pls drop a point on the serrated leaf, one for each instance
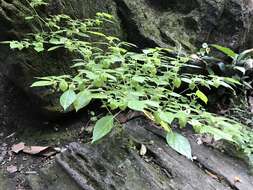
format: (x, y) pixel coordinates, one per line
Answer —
(103, 127)
(82, 99)
(202, 96)
(179, 143)
(67, 98)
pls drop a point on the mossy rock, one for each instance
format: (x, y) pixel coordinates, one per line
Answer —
(22, 67)
(189, 23)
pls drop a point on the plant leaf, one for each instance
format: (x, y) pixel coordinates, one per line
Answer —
(177, 82)
(179, 143)
(168, 117)
(82, 99)
(103, 127)
(67, 98)
(139, 79)
(202, 96)
(217, 133)
(42, 83)
(136, 105)
(63, 85)
(182, 118)
(229, 52)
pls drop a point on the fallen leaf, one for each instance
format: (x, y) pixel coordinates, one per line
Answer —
(143, 150)
(18, 147)
(34, 149)
(12, 169)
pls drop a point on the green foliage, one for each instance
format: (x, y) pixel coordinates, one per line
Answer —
(37, 3)
(180, 144)
(151, 81)
(68, 98)
(225, 50)
(102, 127)
(241, 62)
(202, 96)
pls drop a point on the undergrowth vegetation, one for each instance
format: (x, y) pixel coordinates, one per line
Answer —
(151, 81)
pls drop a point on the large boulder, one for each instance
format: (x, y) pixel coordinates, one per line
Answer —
(187, 22)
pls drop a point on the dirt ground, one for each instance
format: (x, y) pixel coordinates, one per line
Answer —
(19, 122)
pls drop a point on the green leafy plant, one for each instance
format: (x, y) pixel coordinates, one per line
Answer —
(150, 82)
(241, 62)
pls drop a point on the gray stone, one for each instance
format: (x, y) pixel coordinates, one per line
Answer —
(169, 23)
(115, 163)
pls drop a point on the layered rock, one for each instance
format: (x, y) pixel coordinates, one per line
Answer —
(115, 163)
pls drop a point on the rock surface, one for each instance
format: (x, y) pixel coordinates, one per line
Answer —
(22, 67)
(115, 163)
(187, 22)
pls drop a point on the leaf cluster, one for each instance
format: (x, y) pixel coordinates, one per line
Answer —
(150, 81)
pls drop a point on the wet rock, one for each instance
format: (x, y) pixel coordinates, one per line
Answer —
(115, 163)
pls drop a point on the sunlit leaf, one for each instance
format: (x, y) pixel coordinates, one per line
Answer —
(42, 83)
(137, 105)
(82, 99)
(103, 127)
(225, 50)
(179, 143)
(67, 99)
(202, 96)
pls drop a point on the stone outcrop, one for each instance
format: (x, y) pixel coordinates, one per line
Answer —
(187, 22)
(22, 67)
(115, 163)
